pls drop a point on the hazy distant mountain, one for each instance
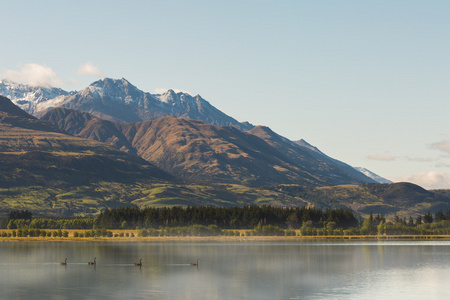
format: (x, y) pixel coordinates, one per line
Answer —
(372, 175)
(33, 152)
(120, 101)
(199, 151)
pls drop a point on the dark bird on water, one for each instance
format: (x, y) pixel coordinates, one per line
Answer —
(139, 264)
(93, 262)
(194, 264)
(64, 263)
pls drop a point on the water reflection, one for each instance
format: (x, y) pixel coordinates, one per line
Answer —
(237, 270)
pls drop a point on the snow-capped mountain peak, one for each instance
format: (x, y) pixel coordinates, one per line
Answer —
(119, 100)
(28, 97)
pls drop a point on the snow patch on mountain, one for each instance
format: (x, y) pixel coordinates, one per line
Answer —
(118, 100)
(28, 97)
(372, 175)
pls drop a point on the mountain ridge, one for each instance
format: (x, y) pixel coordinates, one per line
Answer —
(302, 154)
(120, 101)
(199, 151)
(190, 148)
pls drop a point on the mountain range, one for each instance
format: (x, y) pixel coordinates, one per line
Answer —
(119, 101)
(49, 172)
(207, 153)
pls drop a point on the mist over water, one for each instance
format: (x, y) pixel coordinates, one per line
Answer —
(226, 270)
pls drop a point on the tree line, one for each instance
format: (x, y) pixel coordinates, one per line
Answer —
(24, 219)
(206, 220)
(245, 217)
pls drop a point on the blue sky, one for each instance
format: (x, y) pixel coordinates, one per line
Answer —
(367, 82)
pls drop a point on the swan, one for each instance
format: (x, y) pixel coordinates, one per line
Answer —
(139, 264)
(64, 263)
(93, 262)
(194, 264)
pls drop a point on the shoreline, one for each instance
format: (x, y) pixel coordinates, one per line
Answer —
(227, 238)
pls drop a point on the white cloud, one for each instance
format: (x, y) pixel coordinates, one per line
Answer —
(34, 75)
(383, 157)
(442, 146)
(89, 69)
(427, 180)
(162, 91)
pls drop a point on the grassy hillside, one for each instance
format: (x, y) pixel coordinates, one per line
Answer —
(89, 200)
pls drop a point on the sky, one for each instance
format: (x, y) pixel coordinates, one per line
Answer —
(367, 82)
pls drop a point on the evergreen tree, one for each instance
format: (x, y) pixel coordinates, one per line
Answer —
(380, 228)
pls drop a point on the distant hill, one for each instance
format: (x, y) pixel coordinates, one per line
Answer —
(403, 199)
(202, 152)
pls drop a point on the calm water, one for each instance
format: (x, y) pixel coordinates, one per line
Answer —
(227, 270)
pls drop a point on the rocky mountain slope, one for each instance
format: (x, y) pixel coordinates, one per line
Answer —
(203, 152)
(32, 151)
(312, 158)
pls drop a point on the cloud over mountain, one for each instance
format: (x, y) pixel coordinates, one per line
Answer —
(89, 69)
(34, 75)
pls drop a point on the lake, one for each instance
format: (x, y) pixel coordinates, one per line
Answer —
(244, 269)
